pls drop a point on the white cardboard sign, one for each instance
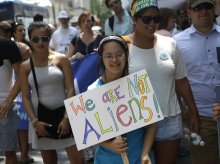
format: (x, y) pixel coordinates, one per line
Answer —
(113, 109)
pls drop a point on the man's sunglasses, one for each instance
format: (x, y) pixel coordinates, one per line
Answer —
(36, 39)
(148, 19)
(113, 3)
(205, 6)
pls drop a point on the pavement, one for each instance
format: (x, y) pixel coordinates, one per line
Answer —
(185, 158)
(62, 157)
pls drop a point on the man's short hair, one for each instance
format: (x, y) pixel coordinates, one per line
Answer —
(5, 26)
(38, 18)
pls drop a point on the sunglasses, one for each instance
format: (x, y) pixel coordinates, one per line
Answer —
(36, 39)
(148, 19)
(205, 6)
(113, 3)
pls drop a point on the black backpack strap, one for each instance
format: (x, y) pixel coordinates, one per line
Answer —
(76, 44)
(111, 22)
(129, 12)
(34, 75)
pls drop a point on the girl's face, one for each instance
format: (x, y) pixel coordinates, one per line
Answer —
(19, 33)
(148, 22)
(40, 40)
(114, 59)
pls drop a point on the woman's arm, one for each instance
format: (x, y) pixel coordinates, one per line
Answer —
(70, 50)
(72, 56)
(68, 75)
(13, 93)
(24, 72)
(184, 90)
(65, 66)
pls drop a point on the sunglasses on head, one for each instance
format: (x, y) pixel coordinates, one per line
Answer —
(148, 19)
(36, 39)
(113, 3)
(205, 6)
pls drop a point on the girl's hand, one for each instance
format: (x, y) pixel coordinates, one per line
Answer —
(119, 146)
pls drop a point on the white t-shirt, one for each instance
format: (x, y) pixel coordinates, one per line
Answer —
(5, 80)
(163, 64)
(61, 39)
(9, 55)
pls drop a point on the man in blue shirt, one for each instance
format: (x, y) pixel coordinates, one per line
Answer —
(198, 45)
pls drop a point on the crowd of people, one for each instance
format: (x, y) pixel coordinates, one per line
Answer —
(178, 48)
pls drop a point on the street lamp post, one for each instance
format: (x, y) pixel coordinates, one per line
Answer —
(53, 13)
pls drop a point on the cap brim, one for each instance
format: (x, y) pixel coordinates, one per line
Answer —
(200, 2)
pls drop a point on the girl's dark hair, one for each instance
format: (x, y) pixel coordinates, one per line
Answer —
(37, 25)
(122, 43)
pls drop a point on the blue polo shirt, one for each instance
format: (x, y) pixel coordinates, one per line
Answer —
(200, 56)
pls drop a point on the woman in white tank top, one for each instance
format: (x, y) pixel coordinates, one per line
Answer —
(55, 83)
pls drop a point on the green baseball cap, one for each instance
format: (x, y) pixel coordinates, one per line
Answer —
(139, 5)
(194, 3)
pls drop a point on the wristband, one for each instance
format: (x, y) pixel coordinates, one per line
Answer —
(34, 122)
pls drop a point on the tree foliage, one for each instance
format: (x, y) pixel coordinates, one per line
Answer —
(99, 9)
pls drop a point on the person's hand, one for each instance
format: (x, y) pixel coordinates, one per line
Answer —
(76, 56)
(63, 127)
(4, 109)
(145, 159)
(40, 128)
(216, 111)
(119, 146)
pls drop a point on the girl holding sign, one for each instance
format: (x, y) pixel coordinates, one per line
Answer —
(113, 51)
